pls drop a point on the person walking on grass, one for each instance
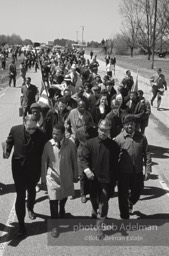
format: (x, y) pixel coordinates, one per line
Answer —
(159, 85)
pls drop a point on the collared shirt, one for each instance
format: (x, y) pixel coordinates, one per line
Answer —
(133, 152)
(57, 144)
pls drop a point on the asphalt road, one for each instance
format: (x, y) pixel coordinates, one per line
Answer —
(152, 210)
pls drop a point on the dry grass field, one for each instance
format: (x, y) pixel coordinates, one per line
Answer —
(4, 74)
(137, 62)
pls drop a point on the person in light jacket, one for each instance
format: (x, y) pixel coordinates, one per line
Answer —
(59, 170)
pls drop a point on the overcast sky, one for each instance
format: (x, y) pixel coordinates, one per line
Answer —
(46, 20)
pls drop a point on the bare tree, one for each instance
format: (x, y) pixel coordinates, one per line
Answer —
(139, 20)
(130, 12)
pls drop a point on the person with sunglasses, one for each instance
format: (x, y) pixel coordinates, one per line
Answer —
(28, 141)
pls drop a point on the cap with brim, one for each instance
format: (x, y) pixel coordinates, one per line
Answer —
(35, 105)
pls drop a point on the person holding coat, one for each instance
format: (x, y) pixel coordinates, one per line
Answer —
(59, 171)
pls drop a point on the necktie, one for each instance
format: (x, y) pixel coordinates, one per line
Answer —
(59, 145)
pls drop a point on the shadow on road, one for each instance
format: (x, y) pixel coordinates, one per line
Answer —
(6, 188)
(152, 193)
(164, 109)
(154, 177)
(158, 152)
(40, 199)
(157, 216)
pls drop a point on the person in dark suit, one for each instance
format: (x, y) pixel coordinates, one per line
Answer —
(56, 115)
(28, 141)
(30, 95)
(99, 160)
(12, 73)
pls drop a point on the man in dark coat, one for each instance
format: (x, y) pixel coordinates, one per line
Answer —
(55, 116)
(100, 162)
(28, 141)
(12, 73)
(134, 154)
(30, 96)
(136, 107)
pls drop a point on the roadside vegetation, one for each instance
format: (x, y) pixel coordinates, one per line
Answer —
(136, 62)
(4, 74)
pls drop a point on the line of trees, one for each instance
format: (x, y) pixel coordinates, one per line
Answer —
(138, 26)
(14, 39)
(138, 23)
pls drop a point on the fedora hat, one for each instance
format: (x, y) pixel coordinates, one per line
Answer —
(104, 124)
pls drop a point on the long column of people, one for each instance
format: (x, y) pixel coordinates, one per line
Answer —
(78, 128)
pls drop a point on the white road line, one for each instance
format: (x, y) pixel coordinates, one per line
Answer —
(6, 232)
(2, 94)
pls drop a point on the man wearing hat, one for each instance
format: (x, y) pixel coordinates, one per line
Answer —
(67, 84)
(134, 153)
(37, 113)
(100, 164)
(159, 85)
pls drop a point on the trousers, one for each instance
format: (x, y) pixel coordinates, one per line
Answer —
(130, 187)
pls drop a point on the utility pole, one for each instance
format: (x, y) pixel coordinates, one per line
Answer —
(82, 33)
(154, 34)
(77, 32)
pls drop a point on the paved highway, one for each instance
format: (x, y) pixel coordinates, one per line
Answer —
(152, 210)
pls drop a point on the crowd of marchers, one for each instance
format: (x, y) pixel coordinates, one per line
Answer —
(78, 128)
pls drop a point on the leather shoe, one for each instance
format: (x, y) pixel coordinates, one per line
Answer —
(32, 215)
(83, 199)
(55, 232)
(21, 231)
